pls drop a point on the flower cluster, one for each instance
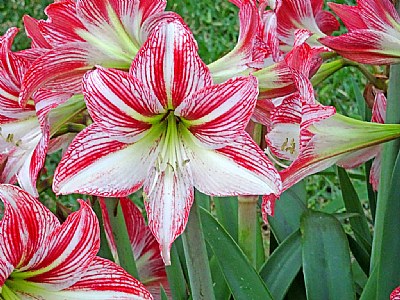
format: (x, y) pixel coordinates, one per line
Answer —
(120, 87)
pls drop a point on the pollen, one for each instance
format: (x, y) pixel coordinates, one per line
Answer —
(289, 148)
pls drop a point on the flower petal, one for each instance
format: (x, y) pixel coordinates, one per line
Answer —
(375, 172)
(169, 66)
(218, 113)
(99, 165)
(67, 253)
(65, 63)
(366, 46)
(106, 280)
(241, 168)
(395, 295)
(168, 198)
(25, 226)
(237, 59)
(119, 103)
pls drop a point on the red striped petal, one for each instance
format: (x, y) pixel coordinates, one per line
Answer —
(395, 295)
(145, 247)
(68, 252)
(121, 105)
(236, 61)
(169, 66)
(366, 46)
(25, 226)
(106, 280)
(350, 15)
(58, 64)
(218, 114)
(99, 165)
(242, 168)
(169, 196)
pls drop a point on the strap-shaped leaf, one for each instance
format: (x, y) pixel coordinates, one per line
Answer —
(353, 205)
(288, 209)
(283, 265)
(326, 258)
(242, 279)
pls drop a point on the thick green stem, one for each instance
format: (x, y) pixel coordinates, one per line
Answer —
(247, 224)
(104, 250)
(387, 219)
(196, 257)
(120, 233)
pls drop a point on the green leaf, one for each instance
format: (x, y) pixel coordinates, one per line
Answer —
(241, 277)
(360, 254)
(104, 250)
(260, 251)
(288, 210)
(282, 266)
(227, 213)
(163, 293)
(353, 205)
(326, 258)
(221, 289)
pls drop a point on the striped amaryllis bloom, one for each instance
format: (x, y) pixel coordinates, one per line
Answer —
(83, 33)
(374, 35)
(395, 295)
(43, 259)
(328, 138)
(165, 127)
(145, 248)
(293, 15)
(24, 132)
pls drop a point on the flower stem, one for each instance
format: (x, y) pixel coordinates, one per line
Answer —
(196, 257)
(247, 219)
(386, 240)
(120, 233)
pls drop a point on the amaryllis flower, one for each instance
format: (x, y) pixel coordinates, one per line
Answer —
(145, 248)
(304, 14)
(395, 295)
(328, 138)
(24, 133)
(165, 127)
(374, 35)
(43, 259)
(237, 61)
(85, 33)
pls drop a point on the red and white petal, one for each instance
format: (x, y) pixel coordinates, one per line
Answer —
(67, 253)
(379, 15)
(218, 113)
(379, 108)
(60, 28)
(350, 15)
(99, 165)
(132, 15)
(283, 137)
(275, 81)
(236, 60)
(67, 63)
(46, 100)
(169, 66)
(242, 168)
(33, 162)
(395, 295)
(295, 14)
(15, 66)
(375, 172)
(32, 29)
(326, 22)
(366, 46)
(119, 104)
(145, 247)
(356, 158)
(25, 226)
(169, 197)
(105, 280)
(5, 270)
